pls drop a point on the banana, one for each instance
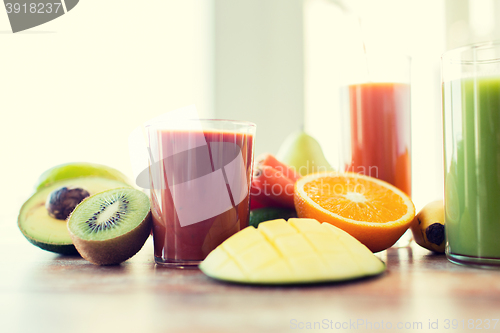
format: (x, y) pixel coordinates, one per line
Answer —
(428, 227)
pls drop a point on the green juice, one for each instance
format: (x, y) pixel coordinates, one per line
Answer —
(472, 166)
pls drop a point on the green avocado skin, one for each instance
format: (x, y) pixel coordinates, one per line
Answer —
(77, 170)
(69, 249)
(271, 213)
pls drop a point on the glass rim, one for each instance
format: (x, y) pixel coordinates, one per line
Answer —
(454, 53)
(243, 123)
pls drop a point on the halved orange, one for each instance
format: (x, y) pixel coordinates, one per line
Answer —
(371, 210)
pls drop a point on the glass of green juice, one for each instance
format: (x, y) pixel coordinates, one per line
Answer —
(471, 111)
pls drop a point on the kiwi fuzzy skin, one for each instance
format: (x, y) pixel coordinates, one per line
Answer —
(117, 250)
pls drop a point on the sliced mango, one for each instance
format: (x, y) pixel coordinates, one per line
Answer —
(297, 251)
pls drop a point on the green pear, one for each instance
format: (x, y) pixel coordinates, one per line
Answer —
(304, 153)
(77, 170)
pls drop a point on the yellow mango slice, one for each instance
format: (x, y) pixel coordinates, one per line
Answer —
(297, 251)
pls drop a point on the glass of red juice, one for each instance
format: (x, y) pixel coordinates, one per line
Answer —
(376, 119)
(200, 173)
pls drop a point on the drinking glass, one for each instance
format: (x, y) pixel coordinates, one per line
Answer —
(376, 124)
(471, 109)
(200, 174)
(376, 119)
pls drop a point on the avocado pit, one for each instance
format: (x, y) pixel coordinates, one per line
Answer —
(62, 201)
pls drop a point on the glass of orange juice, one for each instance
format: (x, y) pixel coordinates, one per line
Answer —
(376, 120)
(375, 109)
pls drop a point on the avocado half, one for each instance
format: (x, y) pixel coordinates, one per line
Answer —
(78, 170)
(47, 232)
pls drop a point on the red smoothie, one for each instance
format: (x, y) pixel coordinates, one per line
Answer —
(200, 193)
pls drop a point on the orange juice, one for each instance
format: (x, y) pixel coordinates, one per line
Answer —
(380, 132)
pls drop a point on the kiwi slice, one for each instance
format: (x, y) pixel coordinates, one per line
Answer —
(111, 226)
(47, 232)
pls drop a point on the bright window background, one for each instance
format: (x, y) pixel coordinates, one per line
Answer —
(74, 88)
(414, 28)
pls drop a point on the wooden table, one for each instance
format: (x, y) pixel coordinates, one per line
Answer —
(45, 292)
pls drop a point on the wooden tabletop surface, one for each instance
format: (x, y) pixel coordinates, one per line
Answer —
(45, 292)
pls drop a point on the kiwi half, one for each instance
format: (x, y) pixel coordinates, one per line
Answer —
(111, 226)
